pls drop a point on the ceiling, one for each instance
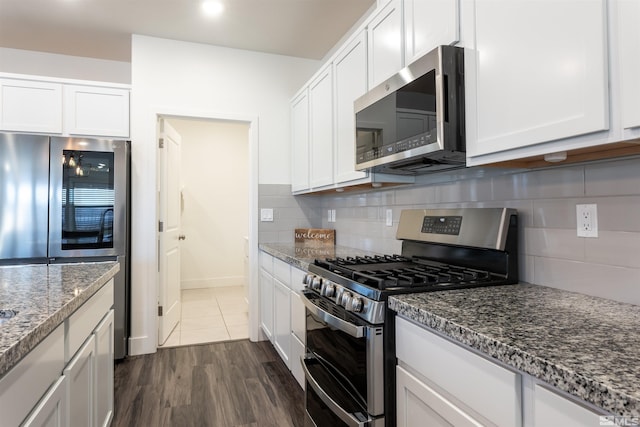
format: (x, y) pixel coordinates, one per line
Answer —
(103, 28)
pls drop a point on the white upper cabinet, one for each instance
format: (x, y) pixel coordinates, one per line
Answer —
(539, 72)
(384, 33)
(428, 24)
(628, 26)
(300, 142)
(96, 111)
(30, 106)
(60, 106)
(350, 75)
(321, 128)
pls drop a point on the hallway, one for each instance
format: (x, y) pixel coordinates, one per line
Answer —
(211, 315)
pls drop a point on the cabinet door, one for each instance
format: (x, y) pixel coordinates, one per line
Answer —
(96, 111)
(489, 390)
(541, 72)
(297, 351)
(80, 384)
(350, 74)
(104, 371)
(321, 128)
(385, 43)
(27, 106)
(282, 320)
(300, 142)
(551, 409)
(266, 304)
(51, 411)
(298, 317)
(628, 14)
(428, 24)
(420, 405)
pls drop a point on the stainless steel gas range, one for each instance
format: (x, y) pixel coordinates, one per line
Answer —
(350, 347)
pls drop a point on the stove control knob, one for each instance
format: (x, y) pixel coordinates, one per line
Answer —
(356, 304)
(308, 278)
(316, 283)
(328, 289)
(345, 301)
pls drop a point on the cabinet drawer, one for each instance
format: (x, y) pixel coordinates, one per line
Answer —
(488, 389)
(282, 271)
(297, 276)
(552, 409)
(266, 262)
(23, 386)
(82, 323)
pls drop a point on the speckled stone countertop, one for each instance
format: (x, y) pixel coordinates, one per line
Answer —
(301, 255)
(43, 295)
(586, 346)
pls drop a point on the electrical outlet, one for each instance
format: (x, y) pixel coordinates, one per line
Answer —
(389, 221)
(587, 220)
(266, 215)
(329, 216)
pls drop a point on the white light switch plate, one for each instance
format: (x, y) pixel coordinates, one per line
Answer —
(266, 215)
(389, 221)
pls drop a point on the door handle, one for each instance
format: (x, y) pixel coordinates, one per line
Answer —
(182, 237)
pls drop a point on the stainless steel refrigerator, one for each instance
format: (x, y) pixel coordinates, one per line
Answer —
(67, 200)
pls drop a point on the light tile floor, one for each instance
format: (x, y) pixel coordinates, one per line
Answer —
(211, 315)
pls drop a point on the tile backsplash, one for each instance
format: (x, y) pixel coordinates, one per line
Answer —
(550, 252)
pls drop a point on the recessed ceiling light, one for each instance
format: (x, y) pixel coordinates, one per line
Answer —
(212, 7)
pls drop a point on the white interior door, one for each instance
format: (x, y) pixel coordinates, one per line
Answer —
(169, 306)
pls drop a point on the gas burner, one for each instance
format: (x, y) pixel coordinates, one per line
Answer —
(430, 260)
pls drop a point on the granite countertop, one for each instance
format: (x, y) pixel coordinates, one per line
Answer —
(44, 296)
(586, 346)
(301, 255)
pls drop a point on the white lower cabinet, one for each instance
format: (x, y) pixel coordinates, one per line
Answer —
(458, 383)
(442, 383)
(420, 405)
(282, 313)
(80, 373)
(282, 320)
(43, 390)
(52, 408)
(297, 351)
(266, 304)
(104, 370)
(552, 409)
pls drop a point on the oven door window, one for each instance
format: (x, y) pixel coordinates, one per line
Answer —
(340, 353)
(87, 199)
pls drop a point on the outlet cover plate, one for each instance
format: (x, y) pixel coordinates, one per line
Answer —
(587, 220)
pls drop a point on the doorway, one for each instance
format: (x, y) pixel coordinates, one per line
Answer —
(214, 208)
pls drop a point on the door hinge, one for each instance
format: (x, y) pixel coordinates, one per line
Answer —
(159, 310)
(160, 226)
(161, 143)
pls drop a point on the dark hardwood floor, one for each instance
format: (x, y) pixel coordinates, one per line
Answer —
(236, 383)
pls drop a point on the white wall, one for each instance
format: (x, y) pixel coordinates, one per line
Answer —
(189, 79)
(214, 177)
(63, 66)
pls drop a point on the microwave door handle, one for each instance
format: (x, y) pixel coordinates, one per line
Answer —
(348, 419)
(330, 319)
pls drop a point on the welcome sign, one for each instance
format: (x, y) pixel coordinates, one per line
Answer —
(315, 235)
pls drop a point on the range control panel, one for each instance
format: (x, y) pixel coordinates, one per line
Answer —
(442, 225)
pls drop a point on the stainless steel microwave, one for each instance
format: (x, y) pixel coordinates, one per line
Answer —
(413, 123)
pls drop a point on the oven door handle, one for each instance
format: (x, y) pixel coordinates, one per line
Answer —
(348, 418)
(336, 322)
